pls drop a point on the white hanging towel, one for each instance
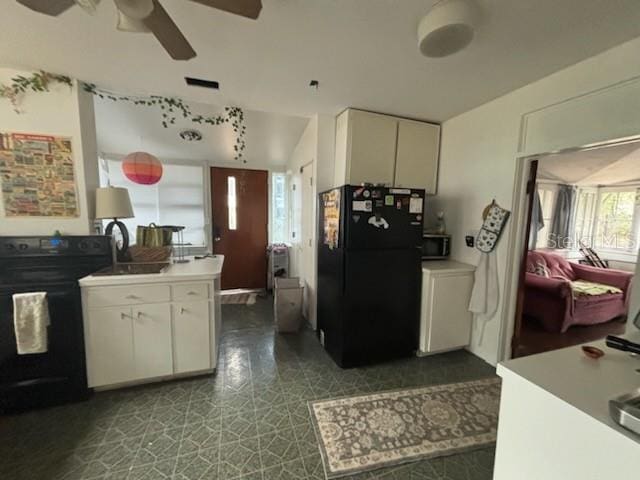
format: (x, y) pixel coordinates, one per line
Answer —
(30, 321)
(486, 292)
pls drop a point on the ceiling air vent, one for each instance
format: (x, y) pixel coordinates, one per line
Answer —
(198, 82)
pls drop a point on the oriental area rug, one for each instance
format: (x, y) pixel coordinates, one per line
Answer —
(367, 432)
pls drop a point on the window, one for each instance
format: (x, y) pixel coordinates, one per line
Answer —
(584, 216)
(279, 208)
(177, 199)
(232, 203)
(617, 219)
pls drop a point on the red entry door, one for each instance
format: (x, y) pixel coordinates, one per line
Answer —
(239, 200)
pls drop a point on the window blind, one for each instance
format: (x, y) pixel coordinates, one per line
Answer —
(177, 199)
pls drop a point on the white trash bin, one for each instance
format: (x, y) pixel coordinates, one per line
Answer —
(287, 304)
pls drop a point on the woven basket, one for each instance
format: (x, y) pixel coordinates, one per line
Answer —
(149, 254)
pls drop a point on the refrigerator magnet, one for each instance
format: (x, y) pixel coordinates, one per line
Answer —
(388, 200)
(361, 206)
(378, 222)
(415, 205)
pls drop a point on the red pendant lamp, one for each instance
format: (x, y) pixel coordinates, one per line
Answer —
(142, 168)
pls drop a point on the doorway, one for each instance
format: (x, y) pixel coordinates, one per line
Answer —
(239, 206)
(580, 249)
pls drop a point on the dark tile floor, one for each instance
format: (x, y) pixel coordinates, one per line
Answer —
(249, 421)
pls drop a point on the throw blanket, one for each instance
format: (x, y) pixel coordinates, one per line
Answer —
(582, 287)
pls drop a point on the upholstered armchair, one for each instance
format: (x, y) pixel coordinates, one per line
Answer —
(550, 298)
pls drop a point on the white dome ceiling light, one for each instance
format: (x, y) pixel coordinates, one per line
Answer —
(447, 28)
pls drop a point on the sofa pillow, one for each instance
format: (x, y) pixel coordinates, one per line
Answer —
(538, 266)
(559, 267)
(541, 269)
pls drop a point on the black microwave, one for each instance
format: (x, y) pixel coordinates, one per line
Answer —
(435, 246)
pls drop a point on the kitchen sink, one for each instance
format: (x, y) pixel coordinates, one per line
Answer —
(133, 269)
(625, 410)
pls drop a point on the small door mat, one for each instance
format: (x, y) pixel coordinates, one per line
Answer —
(238, 297)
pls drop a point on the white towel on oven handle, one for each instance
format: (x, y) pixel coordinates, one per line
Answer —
(30, 321)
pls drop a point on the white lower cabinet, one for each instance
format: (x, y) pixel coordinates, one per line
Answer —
(445, 320)
(110, 346)
(141, 342)
(152, 350)
(192, 338)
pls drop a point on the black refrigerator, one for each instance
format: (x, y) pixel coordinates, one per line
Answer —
(369, 272)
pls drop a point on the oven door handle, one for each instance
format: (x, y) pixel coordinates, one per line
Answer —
(51, 294)
(57, 294)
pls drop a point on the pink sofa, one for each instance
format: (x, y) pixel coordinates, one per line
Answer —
(549, 299)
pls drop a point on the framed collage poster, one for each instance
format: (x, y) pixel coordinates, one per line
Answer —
(37, 176)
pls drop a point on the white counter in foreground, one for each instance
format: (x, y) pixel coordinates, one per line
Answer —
(203, 269)
(554, 419)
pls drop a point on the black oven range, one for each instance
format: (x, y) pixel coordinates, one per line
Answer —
(52, 265)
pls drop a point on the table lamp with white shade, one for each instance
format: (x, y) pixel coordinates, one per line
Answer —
(114, 202)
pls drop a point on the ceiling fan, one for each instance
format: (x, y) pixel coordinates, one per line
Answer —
(149, 16)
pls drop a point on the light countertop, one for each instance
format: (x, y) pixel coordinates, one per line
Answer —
(203, 269)
(446, 266)
(584, 383)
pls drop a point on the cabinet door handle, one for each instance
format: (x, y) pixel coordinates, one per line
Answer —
(192, 293)
(124, 315)
(132, 297)
(140, 314)
(182, 310)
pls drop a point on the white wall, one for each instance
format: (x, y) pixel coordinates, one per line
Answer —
(326, 152)
(66, 112)
(480, 147)
(304, 153)
(634, 305)
(315, 149)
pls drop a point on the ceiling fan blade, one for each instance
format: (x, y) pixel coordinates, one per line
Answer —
(246, 8)
(168, 34)
(48, 7)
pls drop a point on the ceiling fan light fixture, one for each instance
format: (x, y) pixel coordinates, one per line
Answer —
(135, 9)
(448, 28)
(130, 24)
(89, 6)
(191, 135)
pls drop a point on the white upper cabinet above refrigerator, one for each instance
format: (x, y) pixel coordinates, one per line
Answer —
(383, 149)
(417, 155)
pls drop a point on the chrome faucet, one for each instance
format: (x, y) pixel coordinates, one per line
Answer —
(624, 344)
